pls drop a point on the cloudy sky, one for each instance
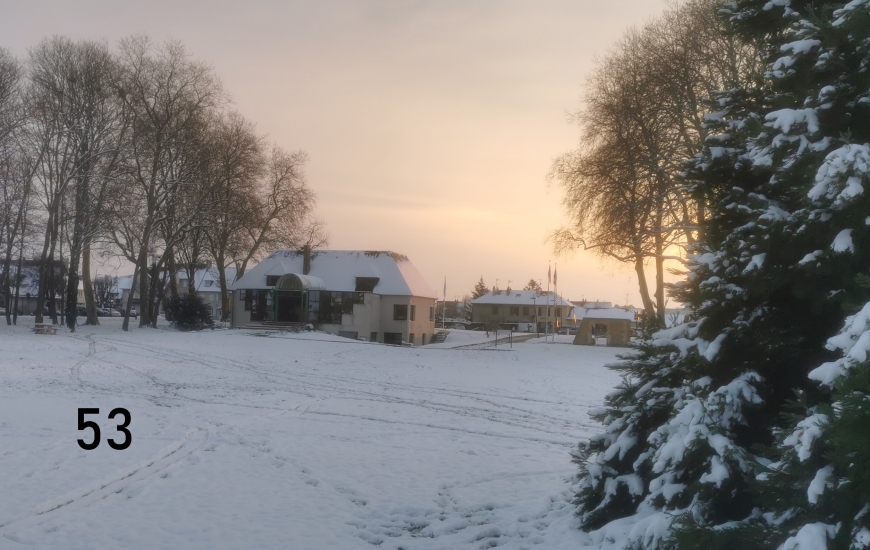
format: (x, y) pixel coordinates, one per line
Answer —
(430, 125)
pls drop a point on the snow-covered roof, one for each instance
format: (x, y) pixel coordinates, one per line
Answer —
(593, 313)
(593, 305)
(124, 283)
(339, 269)
(208, 280)
(520, 298)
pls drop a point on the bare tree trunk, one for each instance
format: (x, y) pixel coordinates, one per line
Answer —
(142, 268)
(18, 273)
(225, 296)
(173, 273)
(660, 275)
(88, 284)
(126, 325)
(644, 289)
(72, 285)
(43, 272)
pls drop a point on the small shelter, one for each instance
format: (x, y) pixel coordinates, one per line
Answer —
(604, 327)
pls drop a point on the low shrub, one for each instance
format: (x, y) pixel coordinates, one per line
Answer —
(188, 312)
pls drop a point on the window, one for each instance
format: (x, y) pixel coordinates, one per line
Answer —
(525, 310)
(515, 310)
(347, 301)
(400, 312)
(324, 306)
(495, 310)
(257, 302)
(366, 284)
(431, 313)
(411, 336)
(393, 338)
(272, 280)
(209, 283)
(558, 312)
(242, 295)
(413, 313)
(539, 312)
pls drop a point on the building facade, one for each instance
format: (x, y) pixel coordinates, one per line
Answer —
(604, 326)
(376, 296)
(525, 310)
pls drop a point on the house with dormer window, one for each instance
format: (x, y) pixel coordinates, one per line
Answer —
(377, 296)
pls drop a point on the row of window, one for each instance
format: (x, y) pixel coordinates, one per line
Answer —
(515, 310)
(327, 306)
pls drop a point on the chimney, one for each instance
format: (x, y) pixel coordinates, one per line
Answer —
(306, 259)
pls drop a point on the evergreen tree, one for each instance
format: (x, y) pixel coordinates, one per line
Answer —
(479, 289)
(769, 282)
(816, 495)
(532, 285)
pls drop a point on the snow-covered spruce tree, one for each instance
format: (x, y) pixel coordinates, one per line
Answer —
(685, 433)
(816, 495)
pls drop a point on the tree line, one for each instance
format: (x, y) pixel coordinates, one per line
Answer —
(135, 153)
(643, 118)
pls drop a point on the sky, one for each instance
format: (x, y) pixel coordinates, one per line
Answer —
(430, 126)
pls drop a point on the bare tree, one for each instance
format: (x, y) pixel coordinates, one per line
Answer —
(236, 167)
(168, 98)
(15, 175)
(281, 210)
(104, 288)
(75, 111)
(643, 118)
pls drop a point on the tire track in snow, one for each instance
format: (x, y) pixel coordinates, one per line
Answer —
(115, 483)
(76, 369)
(346, 387)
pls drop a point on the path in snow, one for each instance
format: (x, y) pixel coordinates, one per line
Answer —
(246, 440)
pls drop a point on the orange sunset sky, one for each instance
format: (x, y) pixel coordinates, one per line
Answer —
(430, 126)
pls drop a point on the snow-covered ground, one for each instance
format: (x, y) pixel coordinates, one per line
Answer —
(254, 440)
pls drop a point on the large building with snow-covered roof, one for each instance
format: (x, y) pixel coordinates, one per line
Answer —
(372, 295)
(526, 310)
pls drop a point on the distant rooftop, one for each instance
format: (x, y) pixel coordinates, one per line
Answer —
(520, 298)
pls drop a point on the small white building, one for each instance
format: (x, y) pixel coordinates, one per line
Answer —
(377, 296)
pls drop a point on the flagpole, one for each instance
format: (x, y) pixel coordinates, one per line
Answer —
(555, 291)
(444, 305)
(547, 322)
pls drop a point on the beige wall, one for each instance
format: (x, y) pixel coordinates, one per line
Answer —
(420, 327)
(480, 313)
(239, 317)
(618, 331)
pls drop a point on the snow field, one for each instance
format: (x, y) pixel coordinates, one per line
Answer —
(255, 440)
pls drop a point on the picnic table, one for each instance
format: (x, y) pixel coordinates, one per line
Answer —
(44, 328)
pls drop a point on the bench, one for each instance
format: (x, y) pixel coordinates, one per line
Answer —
(44, 328)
